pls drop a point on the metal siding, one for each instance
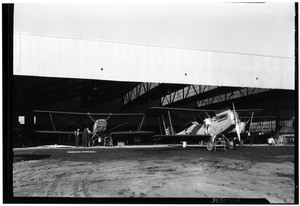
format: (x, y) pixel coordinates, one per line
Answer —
(39, 55)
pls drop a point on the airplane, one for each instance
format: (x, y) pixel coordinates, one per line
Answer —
(215, 128)
(99, 131)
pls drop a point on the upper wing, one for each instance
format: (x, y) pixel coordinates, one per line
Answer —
(161, 110)
(157, 111)
(249, 110)
(72, 121)
(82, 113)
(133, 133)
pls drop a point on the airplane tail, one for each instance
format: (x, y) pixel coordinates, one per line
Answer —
(170, 131)
(167, 131)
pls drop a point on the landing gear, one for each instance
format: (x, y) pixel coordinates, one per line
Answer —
(103, 138)
(108, 141)
(220, 141)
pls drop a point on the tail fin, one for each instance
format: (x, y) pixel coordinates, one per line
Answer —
(167, 131)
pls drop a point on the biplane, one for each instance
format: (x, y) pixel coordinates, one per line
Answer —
(216, 125)
(100, 133)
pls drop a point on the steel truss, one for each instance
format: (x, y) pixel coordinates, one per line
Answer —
(193, 90)
(185, 93)
(138, 91)
(240, 92)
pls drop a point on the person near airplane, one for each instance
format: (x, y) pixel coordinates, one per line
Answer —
(76, 133)
(85, 137)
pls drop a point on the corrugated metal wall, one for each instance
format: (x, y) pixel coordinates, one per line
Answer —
(52, 56)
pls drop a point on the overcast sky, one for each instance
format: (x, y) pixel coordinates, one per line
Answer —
(263, 29)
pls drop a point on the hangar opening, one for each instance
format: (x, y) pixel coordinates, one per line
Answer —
(83, 97)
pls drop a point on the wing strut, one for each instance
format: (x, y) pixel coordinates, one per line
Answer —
(237, 128)
(251, 122)
(52, 121)
(171, 125)
(164, 124)
(141, 124)
(91, 118)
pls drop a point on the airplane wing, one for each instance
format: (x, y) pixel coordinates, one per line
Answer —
(132, 133)
(161, 109)
(260, 117)
(82, 113)
(112, 133)
(72, 122)
(55, 132)
(158, 111)
(249, 110)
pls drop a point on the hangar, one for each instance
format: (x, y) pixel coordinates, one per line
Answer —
(86, 75)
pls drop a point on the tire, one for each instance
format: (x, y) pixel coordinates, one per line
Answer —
(108, 141)
(231, 145)
(210, 146)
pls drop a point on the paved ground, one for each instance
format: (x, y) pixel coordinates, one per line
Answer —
(248, 172)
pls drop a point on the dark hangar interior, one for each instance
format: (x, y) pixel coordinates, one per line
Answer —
(97, 96)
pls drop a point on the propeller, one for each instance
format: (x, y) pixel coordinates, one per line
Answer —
(237, 127)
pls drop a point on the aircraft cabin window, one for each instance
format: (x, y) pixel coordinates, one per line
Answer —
(222, 117)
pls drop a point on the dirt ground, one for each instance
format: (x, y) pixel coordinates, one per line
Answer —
(249, 172)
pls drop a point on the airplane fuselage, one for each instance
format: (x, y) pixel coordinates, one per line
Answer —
(222, 123)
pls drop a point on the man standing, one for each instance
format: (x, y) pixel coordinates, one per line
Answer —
(88, 137)
(85, 134)
(76, 133)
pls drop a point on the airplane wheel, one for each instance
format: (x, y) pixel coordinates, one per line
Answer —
(108, 141)
(210, 146)
(231, 145)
